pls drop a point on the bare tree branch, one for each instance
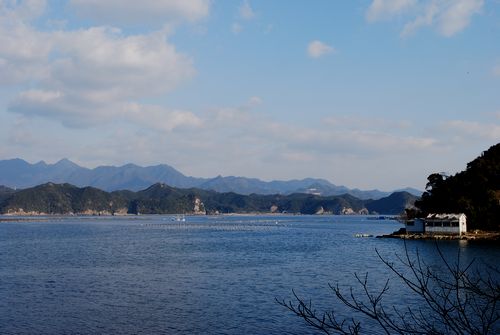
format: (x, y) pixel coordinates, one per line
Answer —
(456, 299)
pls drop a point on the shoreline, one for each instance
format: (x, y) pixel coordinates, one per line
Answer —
(37, 216)
(486, 236)
(472, 236)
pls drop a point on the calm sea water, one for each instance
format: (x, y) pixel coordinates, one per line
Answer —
(208, 275)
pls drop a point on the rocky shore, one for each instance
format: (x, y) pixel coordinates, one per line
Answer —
(470, 236)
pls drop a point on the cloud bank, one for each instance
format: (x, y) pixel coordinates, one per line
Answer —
(100, 94)
(88, 76)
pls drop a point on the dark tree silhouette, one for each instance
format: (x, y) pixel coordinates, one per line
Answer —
(475, 192)
(456, 299)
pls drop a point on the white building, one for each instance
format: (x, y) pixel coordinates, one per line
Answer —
(446, 224)
(415, 226)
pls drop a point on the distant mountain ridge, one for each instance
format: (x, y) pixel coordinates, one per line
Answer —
(17, 173)
(66, 199)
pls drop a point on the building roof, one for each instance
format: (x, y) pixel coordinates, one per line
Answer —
(444, 216)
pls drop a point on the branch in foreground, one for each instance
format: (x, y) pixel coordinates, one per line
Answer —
(455, 299)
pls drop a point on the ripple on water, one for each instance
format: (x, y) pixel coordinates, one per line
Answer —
(207, 275)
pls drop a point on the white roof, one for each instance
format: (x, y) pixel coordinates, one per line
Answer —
(445, 216)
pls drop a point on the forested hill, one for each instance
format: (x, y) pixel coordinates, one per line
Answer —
(160, 198)
(475, 192)
(5, 192)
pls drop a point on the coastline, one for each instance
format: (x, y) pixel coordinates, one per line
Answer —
(37, 216)
(471, 236)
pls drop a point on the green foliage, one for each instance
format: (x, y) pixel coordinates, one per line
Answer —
(5, 192)
(475, 192)
(53, 198)
(162, 199)
(392, 203)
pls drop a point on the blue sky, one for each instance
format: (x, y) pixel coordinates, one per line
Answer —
(367, 94)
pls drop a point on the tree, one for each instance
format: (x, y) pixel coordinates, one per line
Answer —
(474, 191)
(456, 299)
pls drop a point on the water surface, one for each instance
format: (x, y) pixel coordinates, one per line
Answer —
(208, 275)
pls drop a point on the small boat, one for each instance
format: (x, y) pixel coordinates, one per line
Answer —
(363, 235)
(179, 218)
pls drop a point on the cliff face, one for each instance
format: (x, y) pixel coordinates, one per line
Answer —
(53, 198)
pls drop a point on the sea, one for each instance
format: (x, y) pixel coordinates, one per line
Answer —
(205, 275)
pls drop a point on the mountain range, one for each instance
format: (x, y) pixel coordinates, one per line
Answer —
(17, 173)
(66, 199)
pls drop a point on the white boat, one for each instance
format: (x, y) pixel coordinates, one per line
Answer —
(363, 235)
(179, 218)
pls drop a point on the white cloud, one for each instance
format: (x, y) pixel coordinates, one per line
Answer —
(447, 17)
(103, 64)
(145, 11)
(161, 119)
(23, 51)
(98, 70)
(312, 142)
(424, 19)
(23, 10)
(41, 97)
(455, 17)
(246, 12)
(317, 49)
(383, 9)
(88, 76)
(230, 140)
(84, 114)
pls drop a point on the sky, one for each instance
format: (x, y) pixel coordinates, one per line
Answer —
(363, 93)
